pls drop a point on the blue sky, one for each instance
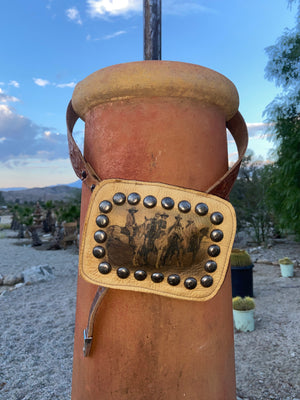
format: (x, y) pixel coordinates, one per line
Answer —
(47, 46)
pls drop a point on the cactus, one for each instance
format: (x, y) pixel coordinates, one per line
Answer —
(240, 258)
(285, 261)
(243, 304)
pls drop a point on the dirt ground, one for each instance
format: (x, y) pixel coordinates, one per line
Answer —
(268, 359)
(37, 326)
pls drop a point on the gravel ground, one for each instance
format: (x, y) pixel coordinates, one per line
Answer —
(37, 327)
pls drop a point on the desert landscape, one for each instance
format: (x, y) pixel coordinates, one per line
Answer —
(37, 324)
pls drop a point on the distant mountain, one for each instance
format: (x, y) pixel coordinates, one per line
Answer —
(54, 193)
(11, 189)
(76, 184)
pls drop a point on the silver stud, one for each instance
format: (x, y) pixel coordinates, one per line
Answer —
(206, 281)
(201, 209)
(210, 266)
(216, 218)
(167, 203)
(190, 283)
(184, 206)
(105, 206)
(213, 250)
(104, 268)
(173, 280)
(157, 277)
(123, 272)
(140, 275)
(216, 235)
(119, 198)
(99, 251)
(134, 199)
(102, 221)
(150, 201)
(100, 236)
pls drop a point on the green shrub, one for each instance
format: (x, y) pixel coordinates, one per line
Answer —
(240, 258)
(285, 261)
(243, 304)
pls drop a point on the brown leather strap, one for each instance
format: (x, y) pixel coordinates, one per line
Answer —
(88, 332)
(238, 128)
(81, 167)
(86, 173)
(221, 188)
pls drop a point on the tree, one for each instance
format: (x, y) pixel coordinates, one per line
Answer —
(283, 115)
(69, 211)
(249, 198)
(2, 200)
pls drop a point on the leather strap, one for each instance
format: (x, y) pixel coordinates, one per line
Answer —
(238, 129)
(221, 188)
(88, 332)
(81, 167)
(86, 173)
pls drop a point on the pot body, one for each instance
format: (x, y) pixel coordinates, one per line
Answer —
(287, 270)
(244, 320)
(242, 281)
(148, 346)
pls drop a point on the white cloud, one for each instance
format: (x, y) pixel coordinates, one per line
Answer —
(21, 137)
(102, 8)
(105, 37)
(232, 157)
(74, 15)
(14, 84)
(113, 35)
(4, 110)
(41, 82)
(64, 85)
(45, 82)
(256, 125)
(5, 98)
(34, 172)
(259, 130)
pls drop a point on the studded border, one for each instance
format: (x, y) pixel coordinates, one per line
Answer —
(150, 201)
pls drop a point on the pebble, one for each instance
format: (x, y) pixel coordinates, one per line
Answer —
(39, 273)
(19, 285)
(11, 280)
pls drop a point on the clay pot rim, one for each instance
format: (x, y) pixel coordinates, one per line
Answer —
(156, 79)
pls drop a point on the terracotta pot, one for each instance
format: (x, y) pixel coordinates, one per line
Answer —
(163, 122)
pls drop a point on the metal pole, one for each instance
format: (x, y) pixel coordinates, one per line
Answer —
(152, 29)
